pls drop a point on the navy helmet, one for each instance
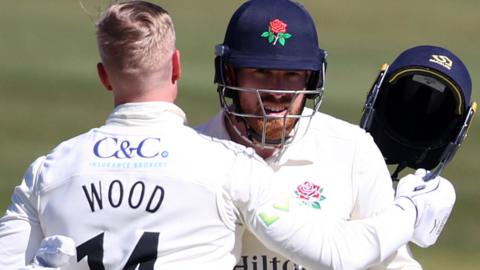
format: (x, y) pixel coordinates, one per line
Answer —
(420, 107)
(274, 35)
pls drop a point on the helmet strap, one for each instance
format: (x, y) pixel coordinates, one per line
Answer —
(402, 165)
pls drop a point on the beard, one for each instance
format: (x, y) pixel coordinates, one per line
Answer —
(275, 128)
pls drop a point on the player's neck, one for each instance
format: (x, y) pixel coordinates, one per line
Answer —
(265, 152)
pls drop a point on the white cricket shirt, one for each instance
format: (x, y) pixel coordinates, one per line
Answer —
(147, 192)
(332, 167)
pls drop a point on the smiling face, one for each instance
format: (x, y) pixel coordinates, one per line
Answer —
(274, 105)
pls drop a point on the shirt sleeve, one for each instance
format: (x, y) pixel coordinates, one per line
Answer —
(312, 238)
(20, 231)
(375, 193)
(402, 259)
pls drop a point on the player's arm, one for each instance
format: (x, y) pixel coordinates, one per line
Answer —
(374, 192)
(315, 240)
(20, 231)
(55, 251)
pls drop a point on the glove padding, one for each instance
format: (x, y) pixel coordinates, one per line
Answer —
(433, 200)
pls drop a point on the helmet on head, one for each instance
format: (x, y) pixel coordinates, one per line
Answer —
(419, 109)
(272, 35)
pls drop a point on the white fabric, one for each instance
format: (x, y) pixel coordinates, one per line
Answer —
(146, 186)
(340, 158)
(433, 199)
(55, 251)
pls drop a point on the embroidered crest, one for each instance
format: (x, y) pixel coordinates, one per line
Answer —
(309, 194)
(277, 32)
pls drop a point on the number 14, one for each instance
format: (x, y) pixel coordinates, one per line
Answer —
(144, 254)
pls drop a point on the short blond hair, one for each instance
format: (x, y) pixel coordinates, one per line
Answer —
(135, 36)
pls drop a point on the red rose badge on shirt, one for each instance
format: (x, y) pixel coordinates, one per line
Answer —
(309, 194)
(277, 32)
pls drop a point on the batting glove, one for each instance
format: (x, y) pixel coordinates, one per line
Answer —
(433, 200)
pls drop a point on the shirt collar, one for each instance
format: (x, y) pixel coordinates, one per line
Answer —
(145, 113)
(219, 121)
(298, 153)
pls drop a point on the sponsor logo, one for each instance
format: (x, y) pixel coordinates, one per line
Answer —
(128, 164)
(442, 60)
(271, 215)
(263, 262)
(110, 147)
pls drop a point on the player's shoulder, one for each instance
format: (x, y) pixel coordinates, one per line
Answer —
(225, 147)
(215, 127)
(66, 147)
(58, 157)
(327, 125)
(214, 132)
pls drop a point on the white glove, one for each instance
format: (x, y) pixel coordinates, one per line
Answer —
(54, 252)
(433, 200)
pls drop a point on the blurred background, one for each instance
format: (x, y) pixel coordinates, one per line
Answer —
(49, 89)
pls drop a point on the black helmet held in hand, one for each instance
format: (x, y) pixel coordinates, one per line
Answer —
(419, 109)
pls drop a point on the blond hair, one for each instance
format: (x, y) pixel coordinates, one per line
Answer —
(135, 37)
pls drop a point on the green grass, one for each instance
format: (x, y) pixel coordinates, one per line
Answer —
(49, 90)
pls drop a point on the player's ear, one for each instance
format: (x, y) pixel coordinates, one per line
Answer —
(103, 75)
(176, 66)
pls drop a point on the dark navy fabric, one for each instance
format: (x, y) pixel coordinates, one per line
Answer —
(421, 56)
(246, 47)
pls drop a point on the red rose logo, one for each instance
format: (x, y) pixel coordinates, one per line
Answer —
(277, 31)
(309, 194)
(277, 26)
(308, 190)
